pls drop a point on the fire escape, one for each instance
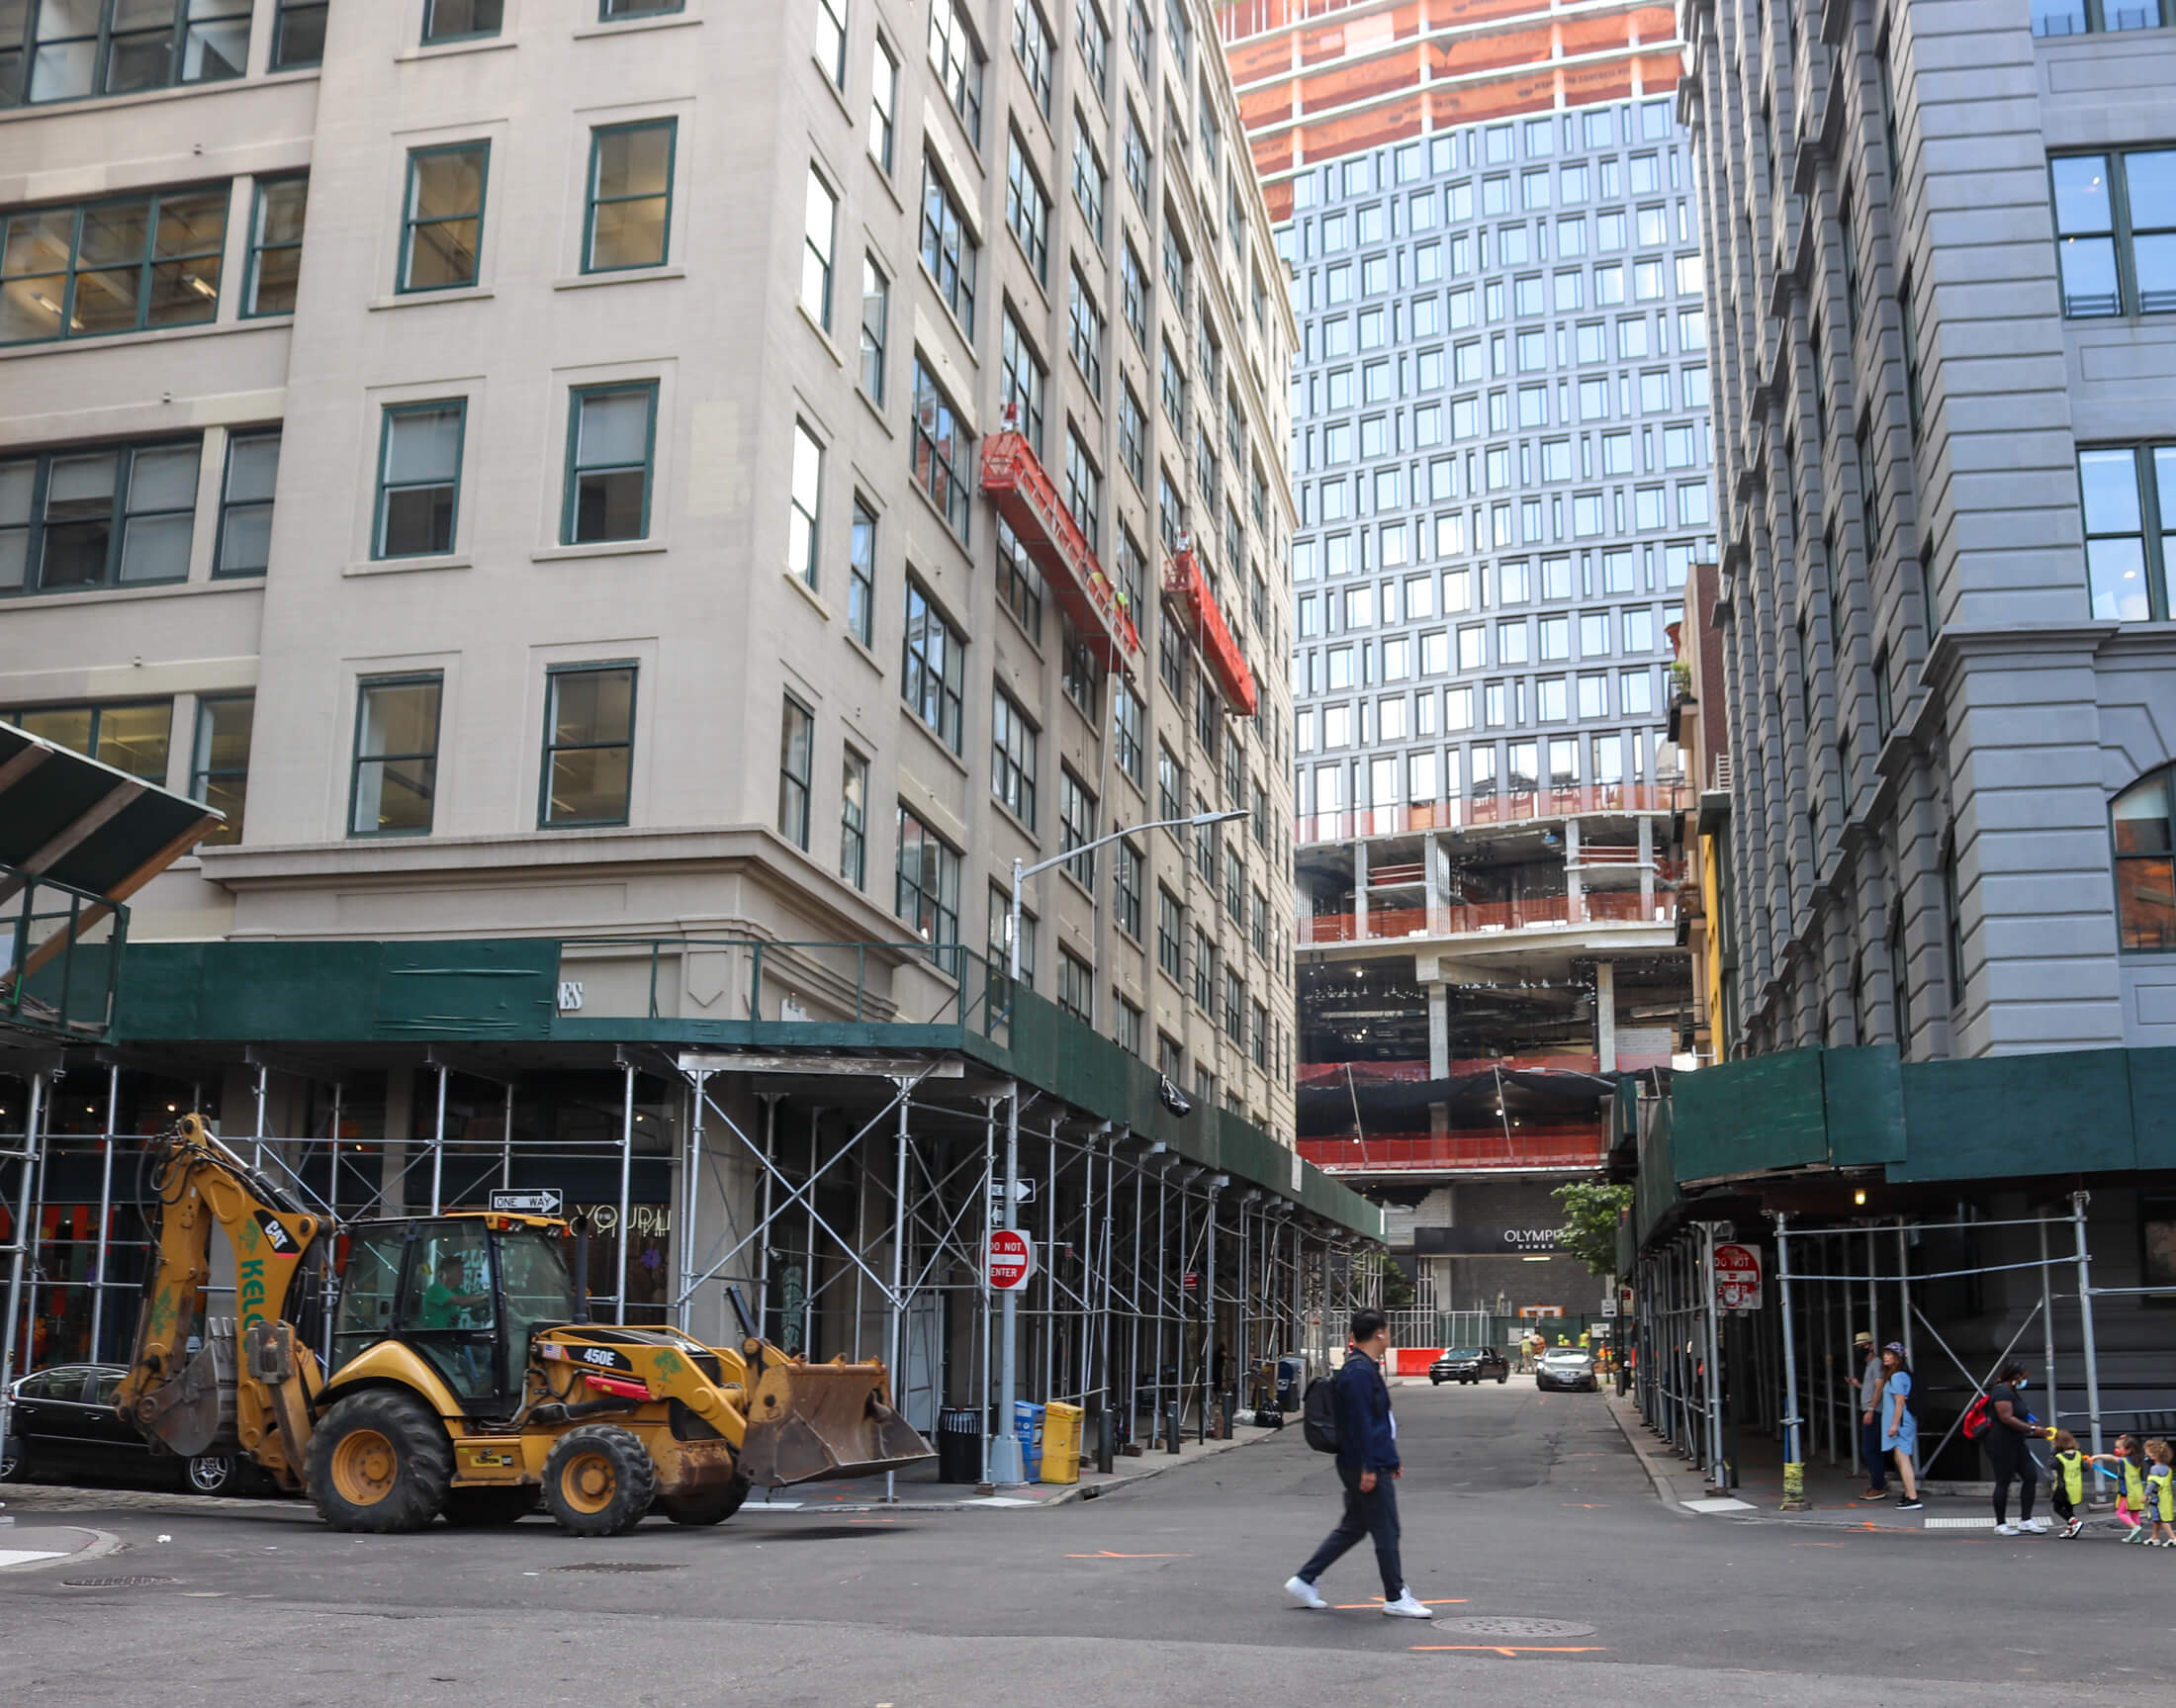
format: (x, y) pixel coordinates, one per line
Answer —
(1017, 483)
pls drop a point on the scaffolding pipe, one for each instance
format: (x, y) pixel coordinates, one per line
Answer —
(898, 1257)
(2078, 1201)
(982, 1270)
(1008, 1467)
(19, 1249)
(106, 1206)
(626, 1169)
(1711, 1383)
(437, 1146)
(2048, 1330)
(690, 1188)
(1794, 1459)
(506, 1140)
(1904, 1290)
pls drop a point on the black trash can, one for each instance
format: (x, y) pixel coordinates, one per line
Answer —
(958, 1446)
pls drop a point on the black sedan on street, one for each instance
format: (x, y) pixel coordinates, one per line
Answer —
(63, 1422)
(1568, 1367)
(1469, 1364)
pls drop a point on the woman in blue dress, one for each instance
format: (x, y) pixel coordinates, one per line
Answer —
(1899, 1429)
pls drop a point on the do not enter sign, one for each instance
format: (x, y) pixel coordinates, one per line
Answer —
(1012, 1259)
(1737, 1278)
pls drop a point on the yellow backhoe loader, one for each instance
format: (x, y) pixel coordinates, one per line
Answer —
(462, 1382)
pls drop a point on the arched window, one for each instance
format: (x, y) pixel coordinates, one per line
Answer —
(2146, 864)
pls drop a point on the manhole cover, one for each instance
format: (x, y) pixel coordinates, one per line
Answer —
(1506, 1625)
(114, 1583)
(620, 1565)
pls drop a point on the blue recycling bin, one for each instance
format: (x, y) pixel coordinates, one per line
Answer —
(1028, 1431)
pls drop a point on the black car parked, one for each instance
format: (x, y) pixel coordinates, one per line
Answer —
(63, 1421)
(1469, 1364)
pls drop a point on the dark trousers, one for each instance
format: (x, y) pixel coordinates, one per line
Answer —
(2065, 1508)
(2007, 1457)
(1869, 1448)
(1371, 1514)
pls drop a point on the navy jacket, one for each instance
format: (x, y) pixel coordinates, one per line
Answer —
(1365, 1438)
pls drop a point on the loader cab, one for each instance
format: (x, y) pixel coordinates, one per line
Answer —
(465, 1292)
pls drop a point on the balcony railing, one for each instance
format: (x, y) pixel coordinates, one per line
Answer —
(1521, 806)
(1385, 925)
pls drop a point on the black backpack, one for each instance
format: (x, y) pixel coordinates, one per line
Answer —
(1318, 1414)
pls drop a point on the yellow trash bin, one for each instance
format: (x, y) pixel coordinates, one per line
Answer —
(1062, 1443)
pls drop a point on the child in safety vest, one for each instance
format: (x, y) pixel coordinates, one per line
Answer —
(2129, 1462)
(2161, 1493)
(2069, 1482)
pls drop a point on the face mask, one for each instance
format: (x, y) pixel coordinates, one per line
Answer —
(2023, 1383)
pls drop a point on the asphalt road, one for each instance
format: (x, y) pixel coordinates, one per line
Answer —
(1516, 1506)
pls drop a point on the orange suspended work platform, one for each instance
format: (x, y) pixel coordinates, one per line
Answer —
(1020, 486)
(1184, 581)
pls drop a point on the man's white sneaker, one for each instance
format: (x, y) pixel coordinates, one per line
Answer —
(2008, 1529)
(1304, 1593)
(1406, 1608)
(2037, 1527)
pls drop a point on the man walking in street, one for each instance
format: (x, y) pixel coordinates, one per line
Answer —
(1868, 1384)
(1367, 1465)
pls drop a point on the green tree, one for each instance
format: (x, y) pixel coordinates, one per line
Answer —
(1592, 1212)
(1398, 1289)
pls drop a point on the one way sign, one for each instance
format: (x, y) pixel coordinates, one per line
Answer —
(530, 1201)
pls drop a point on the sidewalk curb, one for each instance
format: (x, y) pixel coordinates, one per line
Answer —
(103, 1542)
(1656, 1474)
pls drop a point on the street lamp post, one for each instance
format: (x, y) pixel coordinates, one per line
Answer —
(1007, 1464)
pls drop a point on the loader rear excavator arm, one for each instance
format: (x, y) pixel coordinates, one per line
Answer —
(251, 1394)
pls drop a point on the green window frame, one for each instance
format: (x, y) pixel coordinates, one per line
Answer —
(628, 221)
(246, 488)
(804, 504)
(2115, 212)
(462, 20)
(419, 507)
(274, 265)
(132, 735)
(59, 53)
(447, 188)
(88, 516)
(397, 725)
(2127, 501)
(120, 264)
(298, 35)
(218, 764)
(853, 819)
(796, 770)
(606, 486)
(862, 573)
(588, 774)
(933, 670)
(617, 11)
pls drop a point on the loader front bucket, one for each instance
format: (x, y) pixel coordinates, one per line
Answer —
(825, 1420)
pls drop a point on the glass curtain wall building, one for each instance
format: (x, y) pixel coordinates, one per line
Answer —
(1501, 460)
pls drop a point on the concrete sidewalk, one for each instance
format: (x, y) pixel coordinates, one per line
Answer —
(919, 1490)
(1832, 1492)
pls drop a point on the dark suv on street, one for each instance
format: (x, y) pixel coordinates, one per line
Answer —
(1469, 1364)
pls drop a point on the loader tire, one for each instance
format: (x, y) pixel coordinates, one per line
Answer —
(599, 1481)
(486, 1508)
(713, 1507)
(380, 1462)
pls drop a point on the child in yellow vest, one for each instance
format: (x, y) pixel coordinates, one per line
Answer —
(2128, 1464)
(2073, 1471)
(2160, 1493)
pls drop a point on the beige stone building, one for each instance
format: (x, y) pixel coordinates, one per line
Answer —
(520, 458)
